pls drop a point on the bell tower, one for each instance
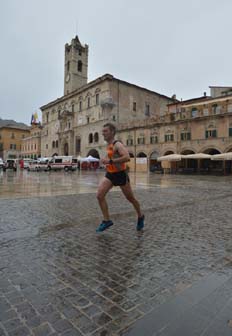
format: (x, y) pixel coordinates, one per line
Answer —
(75, 65)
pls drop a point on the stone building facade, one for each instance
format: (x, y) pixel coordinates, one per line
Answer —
(200, 125)
(72, 124)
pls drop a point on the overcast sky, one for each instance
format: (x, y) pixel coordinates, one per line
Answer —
(168, 46)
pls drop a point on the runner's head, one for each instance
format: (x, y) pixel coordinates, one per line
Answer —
(108, 131)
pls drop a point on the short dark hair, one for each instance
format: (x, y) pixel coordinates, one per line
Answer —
(111, 127)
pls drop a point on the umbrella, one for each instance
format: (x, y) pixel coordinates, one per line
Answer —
(198, 156)
(171, 157)
(223, 156)
(92, 159)
(89, 159)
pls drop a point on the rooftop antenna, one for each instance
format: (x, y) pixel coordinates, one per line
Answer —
(77, 27)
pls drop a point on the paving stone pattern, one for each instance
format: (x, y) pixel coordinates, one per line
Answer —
(58, 277)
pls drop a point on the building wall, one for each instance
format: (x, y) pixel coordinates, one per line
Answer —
(11, 142)
(31, 146)
(126, 95)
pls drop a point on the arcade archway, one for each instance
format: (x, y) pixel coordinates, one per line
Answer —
(212, 166)
(141, 155)
(188, 165)
(93, 152)
(154, 165)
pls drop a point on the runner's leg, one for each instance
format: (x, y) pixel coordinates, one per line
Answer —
(103, 189)
(128, 193)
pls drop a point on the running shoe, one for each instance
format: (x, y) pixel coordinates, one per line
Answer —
(140, 223)
(104, 225)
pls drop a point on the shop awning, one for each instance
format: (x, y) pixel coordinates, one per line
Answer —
(171, 157)
(198, 156)
(222, 157)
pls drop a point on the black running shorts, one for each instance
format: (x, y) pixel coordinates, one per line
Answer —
(118, 179)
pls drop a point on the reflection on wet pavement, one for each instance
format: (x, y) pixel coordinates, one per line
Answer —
(27, 184)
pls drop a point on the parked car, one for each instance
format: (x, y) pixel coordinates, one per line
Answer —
(10, 164)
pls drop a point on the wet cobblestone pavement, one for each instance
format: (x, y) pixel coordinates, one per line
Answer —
(58, 277)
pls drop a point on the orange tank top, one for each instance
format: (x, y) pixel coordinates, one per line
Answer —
(112, 154)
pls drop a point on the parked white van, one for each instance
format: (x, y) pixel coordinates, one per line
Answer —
(62, 162)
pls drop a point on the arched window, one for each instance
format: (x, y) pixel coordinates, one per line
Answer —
(57, 143)
(90, 138)
(53, 144)
(96, 137)
(168, 137)
(97, 99)
(129, 141)
(79, 66)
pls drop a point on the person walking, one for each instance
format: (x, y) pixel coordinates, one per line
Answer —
(116, 175)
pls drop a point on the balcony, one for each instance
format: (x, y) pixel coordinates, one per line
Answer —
(64, 114)
(108, 103)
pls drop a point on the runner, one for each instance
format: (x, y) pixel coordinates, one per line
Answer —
(116, 175)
